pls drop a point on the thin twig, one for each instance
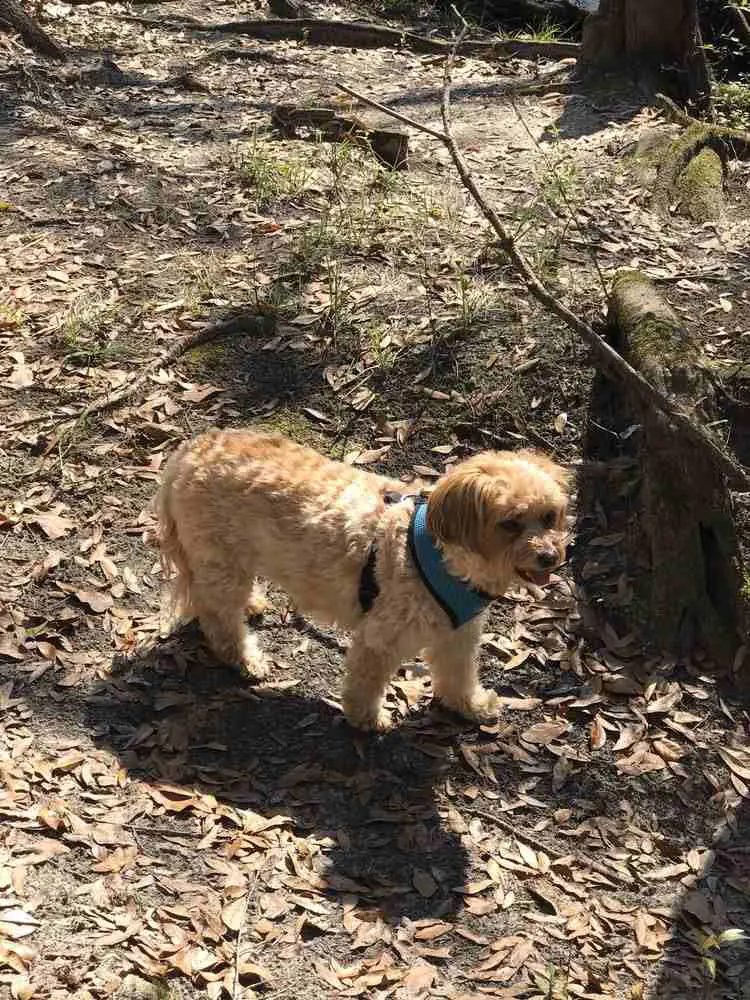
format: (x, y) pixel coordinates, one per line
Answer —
(605, 354)
(255, 323)
(236, 978)
(419, 126)
(532, 839)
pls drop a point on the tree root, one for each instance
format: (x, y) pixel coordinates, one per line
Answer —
(357, 34)
(391, 148)
(727, 143)
(13, 17)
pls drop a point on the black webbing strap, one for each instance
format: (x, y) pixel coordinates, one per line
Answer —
(368, 585)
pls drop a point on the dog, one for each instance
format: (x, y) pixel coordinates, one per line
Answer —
(404, 572)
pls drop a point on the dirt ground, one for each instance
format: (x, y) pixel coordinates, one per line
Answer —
(161, 817)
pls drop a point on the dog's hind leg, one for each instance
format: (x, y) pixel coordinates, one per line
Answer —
(368, 670)
(220, 604)
(455, 676)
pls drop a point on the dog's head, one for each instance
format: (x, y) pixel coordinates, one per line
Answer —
(501, 515)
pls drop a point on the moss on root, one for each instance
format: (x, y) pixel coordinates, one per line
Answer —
(688, 146)
(655, 339)
(700, 187)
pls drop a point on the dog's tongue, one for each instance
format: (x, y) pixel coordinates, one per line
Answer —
(540, 579)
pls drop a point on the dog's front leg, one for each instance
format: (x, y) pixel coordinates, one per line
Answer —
(455, 674)
(368, 670)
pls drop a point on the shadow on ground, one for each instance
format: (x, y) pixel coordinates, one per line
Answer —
(708, 956)
(172, 715)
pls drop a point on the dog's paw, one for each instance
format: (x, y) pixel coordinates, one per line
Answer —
(253, 663)
(359, 717)
(257, 602)
(482, 705)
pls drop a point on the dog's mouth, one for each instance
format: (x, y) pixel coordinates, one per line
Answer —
(538, 577)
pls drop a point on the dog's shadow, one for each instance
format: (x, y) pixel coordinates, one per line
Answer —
(172, 715)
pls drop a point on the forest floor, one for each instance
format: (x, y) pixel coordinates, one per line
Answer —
(161, 817)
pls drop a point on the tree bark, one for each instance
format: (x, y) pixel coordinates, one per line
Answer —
(681, 546)
(659, 42)
(15, 18)
(388, 146)
(359, 35)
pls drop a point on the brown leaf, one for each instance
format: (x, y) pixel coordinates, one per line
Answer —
(197, 393)
(598, 733)
(528, 855)
(98, 600)
(118, 859)
(640, 762)
(665, 703)
(737, 762)
(373, 455)
(433, 931)
(424, 883)
(53, 525)
(544, 732)
(234, 913)
(629, 735)
(418, 980)
(172, 798)
(254, 971)
(327, 974)
(40, 570)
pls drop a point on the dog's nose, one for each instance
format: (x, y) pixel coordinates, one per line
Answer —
(547, 559)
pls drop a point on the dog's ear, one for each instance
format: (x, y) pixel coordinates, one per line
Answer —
(460, 506)
(558, 473)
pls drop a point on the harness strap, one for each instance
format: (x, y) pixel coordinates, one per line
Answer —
(368, 584)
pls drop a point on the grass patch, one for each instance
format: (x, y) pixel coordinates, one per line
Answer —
(546, 31)
(732, 102)
(268, 178)
(88, 332)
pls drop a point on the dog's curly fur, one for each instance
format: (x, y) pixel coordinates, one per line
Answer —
(236, 506)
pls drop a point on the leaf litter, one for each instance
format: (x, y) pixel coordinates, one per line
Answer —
(163, 819)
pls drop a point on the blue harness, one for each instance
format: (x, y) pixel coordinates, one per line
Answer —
(459, 600)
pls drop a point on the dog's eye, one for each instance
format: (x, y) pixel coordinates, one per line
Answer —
(512, 525)
(549, 519)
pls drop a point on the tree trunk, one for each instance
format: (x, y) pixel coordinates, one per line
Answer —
(659, 42)
(677, 537)
(14, 18)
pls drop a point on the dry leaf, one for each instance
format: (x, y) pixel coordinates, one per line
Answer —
(598, 733)
(528, 855)
(418, 980)
(21, 988)
(98, 600)
(544, 732)
(234, 913)
(424, 883)
(53, 525)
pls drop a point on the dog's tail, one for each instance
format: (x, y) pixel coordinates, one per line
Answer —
(174, 563)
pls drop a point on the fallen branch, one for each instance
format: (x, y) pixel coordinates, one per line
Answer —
(256, 324)
(358, 34)
(603, 352)
(389, 147)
